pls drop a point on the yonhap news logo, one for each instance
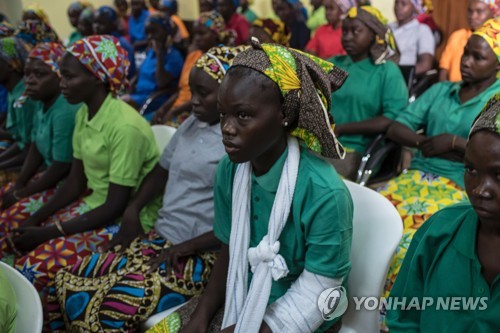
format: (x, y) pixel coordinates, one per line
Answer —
(332, 303)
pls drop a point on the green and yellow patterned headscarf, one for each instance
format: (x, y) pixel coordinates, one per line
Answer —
(384, 48)
(306, 84)
(217, 60)
(489, 118)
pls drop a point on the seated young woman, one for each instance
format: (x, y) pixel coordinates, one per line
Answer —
(163, 64)
(51, 147)
(276, 203)
(234, 20)
(137, 24)
(106, 22)
(293, 14)
(414, 39)
(147, 275)
(73, 12)
(375, 91)
(455, 254)
(209, 31)
(113, 150)
(446, 112)
(13, 54)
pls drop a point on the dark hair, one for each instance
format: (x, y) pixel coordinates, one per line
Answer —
(3, 18)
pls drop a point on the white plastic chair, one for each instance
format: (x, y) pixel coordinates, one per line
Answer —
(29, 307)
(162, 134)
(377, 230)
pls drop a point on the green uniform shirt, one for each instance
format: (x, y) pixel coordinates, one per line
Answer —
(369, 91)
(116, 146)
(73, 37)
(316, 19)
(53, 130)
(442, 262)
(20, 118)
(249, 15)
(7, 305)
(318, 233)
(439, 110)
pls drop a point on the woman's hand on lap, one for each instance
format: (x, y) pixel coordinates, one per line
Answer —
(171, 257)
(26, 239)
(437, 145)
(8, 200)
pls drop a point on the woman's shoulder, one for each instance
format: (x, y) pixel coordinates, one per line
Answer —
(315, 171)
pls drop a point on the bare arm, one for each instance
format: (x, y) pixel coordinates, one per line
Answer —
(404, 135)
(371, 126)
(15, 160)
(424, 64)
(443, 75)
(33, 161)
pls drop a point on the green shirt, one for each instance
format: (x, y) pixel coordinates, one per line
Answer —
(249, 15)
(7, 305)
(20, 117)
(369, 91)
(316, 19)
(116, 146)
(318, 233)
(442, 262)
(439, 110)
(73, 37)
(53, 130)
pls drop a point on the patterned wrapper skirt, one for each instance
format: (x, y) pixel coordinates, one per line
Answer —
(114, 292)
(12, 217)
(41, 264)
(416, 195)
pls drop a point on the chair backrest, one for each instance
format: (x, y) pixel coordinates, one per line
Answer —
(162, 134)
(29, 307)
(377, 230)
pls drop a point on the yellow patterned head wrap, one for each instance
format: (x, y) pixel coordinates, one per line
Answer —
(39, 12)
(306, 84)
(217, 60)
(384, 47)
(276, 29)
(490, 31)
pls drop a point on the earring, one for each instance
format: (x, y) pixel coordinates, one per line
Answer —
(285, 124)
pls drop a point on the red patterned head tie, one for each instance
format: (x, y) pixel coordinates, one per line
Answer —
(106, 59)
(50, 54)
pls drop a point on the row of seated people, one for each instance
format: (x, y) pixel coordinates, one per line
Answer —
(478, 86)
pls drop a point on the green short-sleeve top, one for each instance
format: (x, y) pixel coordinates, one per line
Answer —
(439, 110)
(369, 91)
(318, 233)
(53, 131)
(116, 146)
(20, 116)
(442, 262)
(7, 305)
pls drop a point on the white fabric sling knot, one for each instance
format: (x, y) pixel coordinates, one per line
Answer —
(245, 306)
(268, 253)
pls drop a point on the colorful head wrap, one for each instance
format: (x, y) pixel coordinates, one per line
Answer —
(80, 5)
(14, 52)
(217, 60)
(274, 28)
(6, 29)
(494, 6)
(50, 54)
(384, 47)
(489, 118)
(213, 21)
(423, 6)
(38, 11)
(104, 57)
(34, 32)
(306, 84)
(108, 12)
(490, 31)
(162, 20)
(345, 5)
